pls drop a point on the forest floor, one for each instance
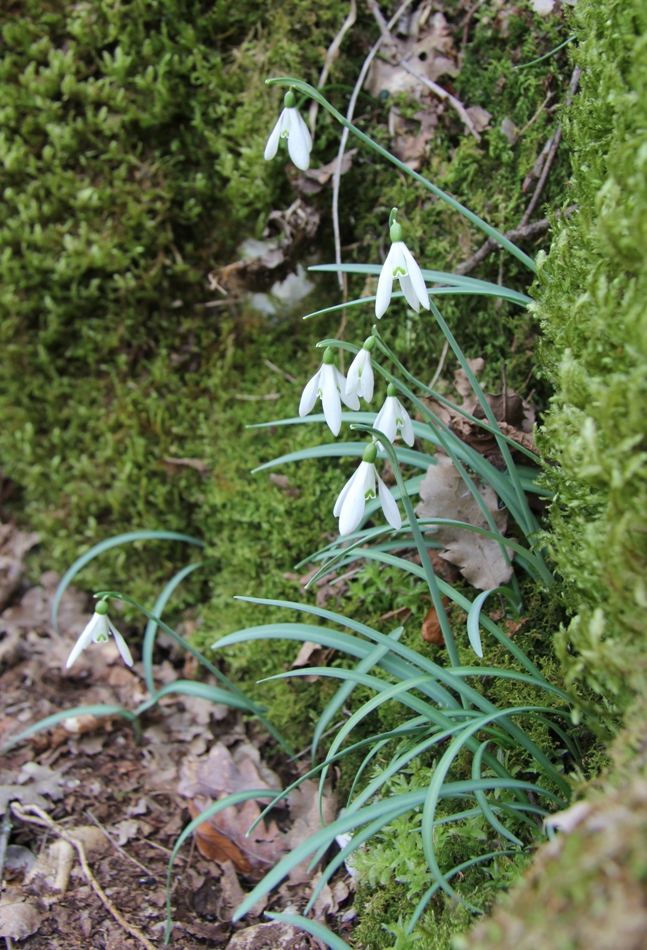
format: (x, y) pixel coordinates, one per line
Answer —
(126, 798)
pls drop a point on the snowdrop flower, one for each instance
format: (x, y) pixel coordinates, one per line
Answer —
(359, 489)
(98, 631)
(292, 127)
(329, 385)
(400, 263)
(360, 373)
(393, 418)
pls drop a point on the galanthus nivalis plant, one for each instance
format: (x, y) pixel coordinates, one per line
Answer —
(292, 128)
(359, 489)
(360, 373)
(98, 630)
(329, 385)
(401, 264)
(393, 419)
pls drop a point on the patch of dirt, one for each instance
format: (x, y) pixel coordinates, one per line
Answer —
(128, 799)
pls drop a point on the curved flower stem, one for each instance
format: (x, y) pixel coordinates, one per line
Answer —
(309, 90)
(253, 708)
(430, 577)
(527, 527)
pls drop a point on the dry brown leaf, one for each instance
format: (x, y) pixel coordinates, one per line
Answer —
(445, 495)
(18, 919)
(176, 466)
(432, 55)
(51, 872)
(311, 654)
(431, 631)
(277, 934)
(214, 846)
(222, 773)
(304, 811)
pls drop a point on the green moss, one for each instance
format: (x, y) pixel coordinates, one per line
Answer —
(590, 300)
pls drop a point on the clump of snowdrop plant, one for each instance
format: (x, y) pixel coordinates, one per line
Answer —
(98, 630)
(291, 128)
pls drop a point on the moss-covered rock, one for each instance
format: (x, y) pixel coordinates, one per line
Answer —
(591, 302)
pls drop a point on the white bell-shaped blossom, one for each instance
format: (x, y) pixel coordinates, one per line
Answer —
(360, 373)
(400, 264)
(360, 488)
(393, 419)
(98, 630)
(292, 127)
(329, 385)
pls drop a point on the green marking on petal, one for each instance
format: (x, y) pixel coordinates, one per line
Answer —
(369, 495)
(399, 272)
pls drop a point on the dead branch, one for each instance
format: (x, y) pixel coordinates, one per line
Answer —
(34, 815)
(522, 233)
(331, 55)
(575, 78)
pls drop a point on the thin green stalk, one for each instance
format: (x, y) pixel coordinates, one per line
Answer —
(253, 708)
(430, 576)
(309, 90)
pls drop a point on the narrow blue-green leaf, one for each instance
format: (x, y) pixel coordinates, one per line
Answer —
(345, 690)
(484, 805)
(236, 798)
(202, 690)
(127, 538)
(98, 709)
(346, 449)
(151, 626)
(474, 615)
(312, 927)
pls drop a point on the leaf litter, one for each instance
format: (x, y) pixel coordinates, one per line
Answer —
(138, 798)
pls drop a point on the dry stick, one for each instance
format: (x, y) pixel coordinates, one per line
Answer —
(575, 78)
(455, 103)
(281, 372)
(345, 133)
(5, 831)
(441, 363)
(537, 114)
(333, 49)
(116, 846)
(526, 230)
(34, 815)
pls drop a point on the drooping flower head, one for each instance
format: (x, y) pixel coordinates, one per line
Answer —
(393, 418)
(98, 630)
(360, 488)
(292, 128)
(329, 385)
(360, 373)
(400, 264)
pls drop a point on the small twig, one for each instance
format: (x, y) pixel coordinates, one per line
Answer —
(466, 24)
(536, 115)
(517, 234)
(331, 55)
(32, 814)
(245, 398)
(336, 180)
(281, 372)
(575, 78)
(117, 847)
(5, 831)
(455, 103)
(441, 363)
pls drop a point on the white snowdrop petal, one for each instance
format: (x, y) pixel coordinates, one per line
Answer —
(122, 646)
(352, 509)
(406, 428)
(367, 380)
(84, 640)
(389, 505)
(309, 395)
(350, 399)
(417, 280)
(385, 420)
(409, 293)
(273, 142)
(330, 399)
(352, 380)
(342, 495)
(384, 286)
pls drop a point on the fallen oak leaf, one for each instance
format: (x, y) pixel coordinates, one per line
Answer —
(431, 630)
